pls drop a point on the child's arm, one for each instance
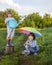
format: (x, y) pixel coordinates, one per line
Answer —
(20, 21)
(27, 43)
(6, 21)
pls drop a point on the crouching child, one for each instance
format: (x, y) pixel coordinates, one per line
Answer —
(31, 45)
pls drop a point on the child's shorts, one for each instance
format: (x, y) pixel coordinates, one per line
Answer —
(10, 32)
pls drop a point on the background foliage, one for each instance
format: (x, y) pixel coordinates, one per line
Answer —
(31, 20)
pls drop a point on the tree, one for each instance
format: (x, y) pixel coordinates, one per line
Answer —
(3, 15)
(33, 20)
(47, 20)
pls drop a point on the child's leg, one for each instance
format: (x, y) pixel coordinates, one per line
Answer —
(27, 47)
(26, 51)
(10, 34)
(36, 50)
(31, 49)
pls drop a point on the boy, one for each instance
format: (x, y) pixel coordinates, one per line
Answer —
(31, 45)
(10, 31)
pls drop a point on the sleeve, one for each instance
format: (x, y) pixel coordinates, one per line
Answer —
(6, 20)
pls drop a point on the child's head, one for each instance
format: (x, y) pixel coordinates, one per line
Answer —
(9, 14)
(31, 36)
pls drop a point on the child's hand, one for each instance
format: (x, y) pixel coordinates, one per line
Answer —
(27, 44)
(22, 19)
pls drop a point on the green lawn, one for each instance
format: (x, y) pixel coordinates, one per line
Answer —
(44, 56)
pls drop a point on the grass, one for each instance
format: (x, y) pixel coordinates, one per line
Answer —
(44, 56)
